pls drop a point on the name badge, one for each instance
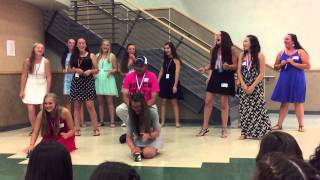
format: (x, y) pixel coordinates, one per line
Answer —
(167, 76)
(295, 58)
(61, 125)
(76, 75)
(224, 85)
(146, 80)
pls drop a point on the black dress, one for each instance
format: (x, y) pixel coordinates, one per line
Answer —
(221, 81)
(167, 81)
(82, 87)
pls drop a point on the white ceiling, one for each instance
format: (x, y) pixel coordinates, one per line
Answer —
(50, 4)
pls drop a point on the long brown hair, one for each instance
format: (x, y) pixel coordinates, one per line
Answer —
(226, 53)
(54, 118)
(124, 63)
(101, 51)
(173, 52)
(140, 122)
(76, 53)
(32, 57)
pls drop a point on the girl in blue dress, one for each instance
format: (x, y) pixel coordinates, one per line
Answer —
(65, 60)
(291, 85)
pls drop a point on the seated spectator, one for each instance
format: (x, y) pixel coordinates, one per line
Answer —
(114, 170)
(279, 166)
(55, 123)
(278, 141)
(143, 129)
(315, 159)
(49, 160)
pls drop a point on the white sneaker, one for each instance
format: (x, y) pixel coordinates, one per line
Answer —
(123, 125)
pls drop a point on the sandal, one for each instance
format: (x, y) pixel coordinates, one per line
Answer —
(242, 137)
(277, 127)
(96, 132)
(238, 125)
(178, 125)
(301, 129)
(83, 124)
(100, 124)
(224, 132)
(112, 125)
(30, 133)
(77, 132)
(203, 132)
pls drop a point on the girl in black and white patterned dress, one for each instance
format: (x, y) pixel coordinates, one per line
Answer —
(83, 64)
(254, 118)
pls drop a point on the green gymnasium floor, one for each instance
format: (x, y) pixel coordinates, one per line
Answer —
(237, 169)
(184, 156)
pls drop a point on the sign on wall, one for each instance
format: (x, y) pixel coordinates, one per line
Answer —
(11, 48)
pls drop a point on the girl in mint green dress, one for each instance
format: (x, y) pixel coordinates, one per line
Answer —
(106, 86)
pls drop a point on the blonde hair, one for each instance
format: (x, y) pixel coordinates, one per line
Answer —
(101, 51)
(32, 57)
(55, 118)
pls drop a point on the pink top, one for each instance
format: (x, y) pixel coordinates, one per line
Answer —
(146, 84)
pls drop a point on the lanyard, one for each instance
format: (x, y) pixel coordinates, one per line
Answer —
(140, 85)
(218, 65)
(248, 62)
(37, 68)
(80, 62)
(104, 60)
(168, 65)
(102, 64)
(52, 124)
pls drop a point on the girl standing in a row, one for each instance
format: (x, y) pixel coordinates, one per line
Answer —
(105, 81)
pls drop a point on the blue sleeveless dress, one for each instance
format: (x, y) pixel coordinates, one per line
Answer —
(67, 77)
(291, 86)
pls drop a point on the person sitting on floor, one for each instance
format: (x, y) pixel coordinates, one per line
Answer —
(55, 123)
(143, 129)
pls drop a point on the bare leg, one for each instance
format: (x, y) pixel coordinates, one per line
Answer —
(77, 116)
(282, 114)
(149, 152)
(206, 113)
(111, 111)
(300, 114)
(31, 115)
(175, 108)
(207, 109)
(101, 109)
(93, 117)
(224, 114)
(163, 111)
(83, 123)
